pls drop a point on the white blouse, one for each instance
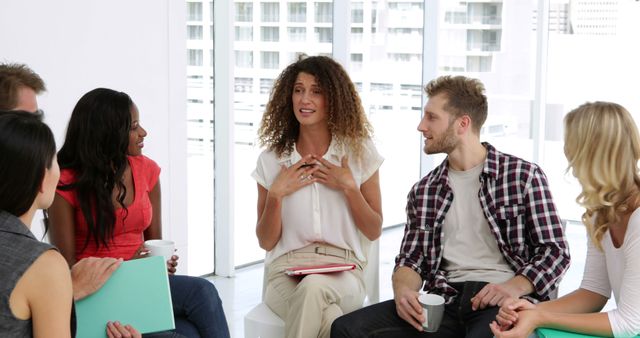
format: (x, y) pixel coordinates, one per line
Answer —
(317, 213)
(618, 270)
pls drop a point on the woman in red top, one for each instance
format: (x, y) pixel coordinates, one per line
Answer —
(108, 203)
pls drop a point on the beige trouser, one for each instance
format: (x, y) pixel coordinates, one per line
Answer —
(310, 304)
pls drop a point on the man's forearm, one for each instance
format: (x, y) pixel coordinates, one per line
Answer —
(521, 284)
(405, 277)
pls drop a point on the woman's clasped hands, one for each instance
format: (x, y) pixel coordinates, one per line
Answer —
(311, 169)
(293, 178)
(517, 318)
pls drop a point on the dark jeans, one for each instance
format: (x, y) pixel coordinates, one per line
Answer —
(382, 320)
(197, 308)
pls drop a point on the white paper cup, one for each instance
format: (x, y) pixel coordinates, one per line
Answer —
(432, 310)
(160, 247)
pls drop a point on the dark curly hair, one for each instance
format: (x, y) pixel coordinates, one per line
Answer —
(95, 148)
(347, 121)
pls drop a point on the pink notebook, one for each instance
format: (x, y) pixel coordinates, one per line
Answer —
(310, 269)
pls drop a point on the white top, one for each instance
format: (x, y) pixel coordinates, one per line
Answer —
(317, 213)
(618, 270)
(470, 251)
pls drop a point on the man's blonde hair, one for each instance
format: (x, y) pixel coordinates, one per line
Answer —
(465, 96)
(602, 146)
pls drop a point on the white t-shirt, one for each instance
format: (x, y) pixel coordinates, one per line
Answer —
(317, 213)
(618, 270)
(470, 251)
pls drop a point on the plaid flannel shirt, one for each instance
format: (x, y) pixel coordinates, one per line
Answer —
(517, 204)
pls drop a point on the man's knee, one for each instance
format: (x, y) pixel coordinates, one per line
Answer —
(340, 327)
(203, 290)
(208, 291)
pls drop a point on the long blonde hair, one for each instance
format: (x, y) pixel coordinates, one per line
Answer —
(602, 146)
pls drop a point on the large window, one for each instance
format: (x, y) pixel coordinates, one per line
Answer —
(494, 41)
(386, 63)
(286, 30)
(200, 60)
(589, 60)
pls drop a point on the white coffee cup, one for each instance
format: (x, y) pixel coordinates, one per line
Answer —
(432, 310)
(160, 247)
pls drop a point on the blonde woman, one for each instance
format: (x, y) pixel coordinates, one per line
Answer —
(318, 194)
(602, 147)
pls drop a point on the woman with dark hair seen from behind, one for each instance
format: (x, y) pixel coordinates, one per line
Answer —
(36, 285)
(318, 194)
(108, 203)
(602, 146)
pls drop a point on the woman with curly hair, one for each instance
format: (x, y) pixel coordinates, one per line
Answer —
(108, 203)
(602, 147)
(318, 194)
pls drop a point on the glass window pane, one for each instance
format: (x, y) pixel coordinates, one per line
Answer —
(387, 71)
(582, 35)
(243, 85)
(200, 60)
(194, 11)
(357, 13)
(270, 11)
(244, 11)
(265, 86)
(194, 32)
(270, 60)
(244, 33)
(323, 34)
(297, 34)
(324, 11)
(270, 34)
(194, 57)
(297, 11)
(244, 59)
(283, 30)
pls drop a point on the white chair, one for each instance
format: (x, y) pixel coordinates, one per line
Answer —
(262, 322)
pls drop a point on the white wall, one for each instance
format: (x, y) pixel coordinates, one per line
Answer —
(133, 46)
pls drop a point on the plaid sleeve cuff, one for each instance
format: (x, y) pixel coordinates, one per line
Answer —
(543, 281)
(404, 261)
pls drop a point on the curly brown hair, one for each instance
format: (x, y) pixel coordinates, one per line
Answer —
(347, 121)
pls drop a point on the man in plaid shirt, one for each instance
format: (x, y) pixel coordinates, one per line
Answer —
(481, 228)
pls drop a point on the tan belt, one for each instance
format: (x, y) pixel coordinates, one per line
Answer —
(324, 249)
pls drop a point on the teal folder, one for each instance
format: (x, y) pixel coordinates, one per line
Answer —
(136, 294)
(551, 333)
